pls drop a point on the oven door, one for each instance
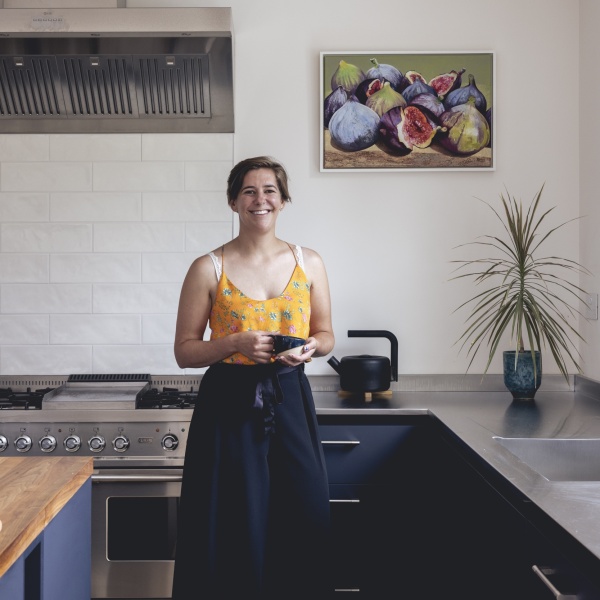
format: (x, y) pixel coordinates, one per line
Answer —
(134, 530)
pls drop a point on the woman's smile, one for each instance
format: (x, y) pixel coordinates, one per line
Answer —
(259, 197)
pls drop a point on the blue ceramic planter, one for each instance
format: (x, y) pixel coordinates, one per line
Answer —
(520, 381)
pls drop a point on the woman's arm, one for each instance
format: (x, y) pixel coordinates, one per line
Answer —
(195, 303)
(321, 328)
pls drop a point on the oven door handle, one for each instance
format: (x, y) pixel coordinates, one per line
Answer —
(138, 478)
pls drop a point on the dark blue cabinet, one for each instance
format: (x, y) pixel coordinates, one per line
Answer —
(417, 515)
(57, 564)
(511, 548)
(373, 476)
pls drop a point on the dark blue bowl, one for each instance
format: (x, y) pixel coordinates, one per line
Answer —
(287, 343)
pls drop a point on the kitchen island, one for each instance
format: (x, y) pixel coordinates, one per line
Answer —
(45, 537)
(566, 512)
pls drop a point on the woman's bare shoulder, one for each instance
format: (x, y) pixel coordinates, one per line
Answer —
(313, 265)
(311, 257)
(202, 268)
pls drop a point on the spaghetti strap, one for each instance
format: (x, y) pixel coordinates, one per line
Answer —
(297, 252)
(299, 257)
(218, 265)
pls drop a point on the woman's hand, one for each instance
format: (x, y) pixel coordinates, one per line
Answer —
(293, 360)
(256, 345)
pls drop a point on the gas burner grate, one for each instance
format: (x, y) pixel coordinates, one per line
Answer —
(28, 400)
(167, 398)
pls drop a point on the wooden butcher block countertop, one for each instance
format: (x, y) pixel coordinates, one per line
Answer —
(32, 493)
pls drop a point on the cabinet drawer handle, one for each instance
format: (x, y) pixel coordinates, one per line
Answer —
(344, 501)
(346, 590)
(542, 573)
(340, 442)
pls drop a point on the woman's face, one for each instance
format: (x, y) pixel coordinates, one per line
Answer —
(259, 200)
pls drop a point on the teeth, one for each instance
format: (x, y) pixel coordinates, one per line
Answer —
(260, 212)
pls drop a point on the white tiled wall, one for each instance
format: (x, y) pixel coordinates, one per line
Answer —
(96, 235)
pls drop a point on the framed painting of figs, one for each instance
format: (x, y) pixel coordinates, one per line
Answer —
(404, 111)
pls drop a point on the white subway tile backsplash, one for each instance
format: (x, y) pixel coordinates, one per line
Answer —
(45, 177)
(24, 268)
(95, 329)
(24, 329)
(95, 207)
(186, 206)
(204, 237)
(167, 267)
(153, 359)
(45, 298)
(95, 147)
(23, 206)
(47, 360)
(46, 237)
(138, 237)
(138, 177)
(97, 233)
(194, 146)
(158, 329)
(136, 298)
(208, 176)
(95, 268)
(15, 147)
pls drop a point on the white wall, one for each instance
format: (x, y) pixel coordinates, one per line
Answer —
(386, 238)
(588, 171)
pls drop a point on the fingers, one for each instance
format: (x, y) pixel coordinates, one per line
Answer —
(293, 360)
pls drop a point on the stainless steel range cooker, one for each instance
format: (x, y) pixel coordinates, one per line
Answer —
(135, 427)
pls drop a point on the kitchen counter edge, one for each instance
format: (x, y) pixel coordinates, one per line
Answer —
(34, 491)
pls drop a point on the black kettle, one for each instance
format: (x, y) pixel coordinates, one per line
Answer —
(366, 373)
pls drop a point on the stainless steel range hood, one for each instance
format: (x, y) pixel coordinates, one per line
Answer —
(107, 70)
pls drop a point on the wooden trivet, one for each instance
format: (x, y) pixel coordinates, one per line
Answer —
(366, 396)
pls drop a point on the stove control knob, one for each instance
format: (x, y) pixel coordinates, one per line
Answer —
(72, 443)
(23, 443)
(3, 443)
(97, 443)
(170, 442)
(47, 443)
(120, 443)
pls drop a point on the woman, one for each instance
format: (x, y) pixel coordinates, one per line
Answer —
(255, 504)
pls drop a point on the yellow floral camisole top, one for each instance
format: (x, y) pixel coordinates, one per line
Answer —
(233, 311)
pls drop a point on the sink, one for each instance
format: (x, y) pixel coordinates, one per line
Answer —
(558, 459)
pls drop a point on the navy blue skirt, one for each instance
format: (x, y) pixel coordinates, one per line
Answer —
(254, 512)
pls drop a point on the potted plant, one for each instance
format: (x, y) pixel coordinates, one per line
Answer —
(526, 295)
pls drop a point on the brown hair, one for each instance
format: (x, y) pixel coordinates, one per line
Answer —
(237, 174)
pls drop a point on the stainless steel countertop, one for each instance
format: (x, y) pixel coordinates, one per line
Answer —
(476, 417)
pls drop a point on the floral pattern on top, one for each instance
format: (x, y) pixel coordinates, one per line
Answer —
(288, 313)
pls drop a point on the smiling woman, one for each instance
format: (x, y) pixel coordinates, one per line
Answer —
(253, 456)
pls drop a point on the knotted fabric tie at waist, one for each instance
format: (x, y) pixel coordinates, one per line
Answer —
(269, 393)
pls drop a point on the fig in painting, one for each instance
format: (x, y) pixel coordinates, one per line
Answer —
(354, 126)
(467, 130)
(462, 95)
(335, 100)
(348, 76)
(387, 72)
(447, 82)
(385, 99)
